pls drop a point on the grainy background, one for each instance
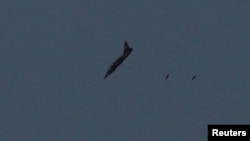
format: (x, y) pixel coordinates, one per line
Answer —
(54, 54)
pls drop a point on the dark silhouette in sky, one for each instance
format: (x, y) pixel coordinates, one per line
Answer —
(193, 77)
(167, 76)
(117, 62)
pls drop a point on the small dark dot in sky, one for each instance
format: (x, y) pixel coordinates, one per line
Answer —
(167, 76)
(193, 77)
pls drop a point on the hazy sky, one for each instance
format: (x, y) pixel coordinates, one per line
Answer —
(54, 54)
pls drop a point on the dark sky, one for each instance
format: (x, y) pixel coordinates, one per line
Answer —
(54, 54)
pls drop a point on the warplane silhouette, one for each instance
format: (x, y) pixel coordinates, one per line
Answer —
(127, 50)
